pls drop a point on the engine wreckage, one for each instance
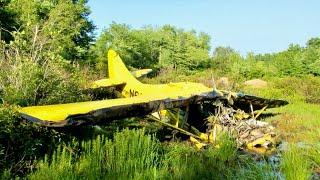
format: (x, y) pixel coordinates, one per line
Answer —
(207, 112)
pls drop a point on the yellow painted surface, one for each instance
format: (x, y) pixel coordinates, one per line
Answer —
(134, 91)
(114, 82)
(261, 141)
(106, 83)
(141, 72)
(60, 112)
(133, 87)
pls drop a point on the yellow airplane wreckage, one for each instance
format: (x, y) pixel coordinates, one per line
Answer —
(141, 99)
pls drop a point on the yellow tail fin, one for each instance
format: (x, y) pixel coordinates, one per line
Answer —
(118, 70)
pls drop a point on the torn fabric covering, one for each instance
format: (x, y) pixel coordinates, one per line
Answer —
(97, 112)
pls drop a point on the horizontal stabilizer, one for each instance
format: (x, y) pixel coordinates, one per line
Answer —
(243, 102)
(107, 83)
(141, 72)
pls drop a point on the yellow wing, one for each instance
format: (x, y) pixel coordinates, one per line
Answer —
(94, 112)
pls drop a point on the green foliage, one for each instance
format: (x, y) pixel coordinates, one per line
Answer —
(21, 144)
(306, 87)
(38, 38)
(223, 58)
(133, 155)
(7, 21)
(34, 70)
(294, 165)
(61, 27)
(295, 61)
(294, 89)
(130, 154)
(165, 47)
(26, 82)
(314, 155)
(313, 43)
(189, 163)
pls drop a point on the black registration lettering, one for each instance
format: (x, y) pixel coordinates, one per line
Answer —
(133, 93)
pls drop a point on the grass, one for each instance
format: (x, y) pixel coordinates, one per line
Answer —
(297, 123)
(294, 165)
(132, 154)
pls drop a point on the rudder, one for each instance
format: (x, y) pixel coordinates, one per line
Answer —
(117, 69)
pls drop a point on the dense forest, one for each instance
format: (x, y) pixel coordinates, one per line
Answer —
(49, 54)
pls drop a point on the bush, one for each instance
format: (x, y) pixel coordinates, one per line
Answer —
(293, 89)
(30, 76)
(25, 82)
(130, 154)
(306, 87)
(21, 144)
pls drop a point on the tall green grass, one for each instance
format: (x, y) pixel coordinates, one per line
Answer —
(132, 154)
(129, 155)
(297, 123)
(294, 165)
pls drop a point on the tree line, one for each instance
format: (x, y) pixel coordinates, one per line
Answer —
(63, 30)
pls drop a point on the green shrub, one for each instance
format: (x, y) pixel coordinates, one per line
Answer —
(306, 87)
(31, 78)
(25, 82)
(293, 89)
(21, 143)
(130, 154)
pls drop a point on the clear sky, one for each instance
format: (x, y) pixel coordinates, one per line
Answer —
(258, 26)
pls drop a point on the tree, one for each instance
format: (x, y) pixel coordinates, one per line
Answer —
(166, 46)
(64, 23)
(7, 21)
(223, 58)
(313, 43)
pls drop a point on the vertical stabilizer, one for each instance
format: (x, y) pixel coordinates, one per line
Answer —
(118, 70)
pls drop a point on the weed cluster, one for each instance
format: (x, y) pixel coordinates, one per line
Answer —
(294, 165)
(132, 154)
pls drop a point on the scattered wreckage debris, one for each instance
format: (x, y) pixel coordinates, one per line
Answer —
(250, 133)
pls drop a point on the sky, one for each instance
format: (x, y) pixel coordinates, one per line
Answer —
(258, 26)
